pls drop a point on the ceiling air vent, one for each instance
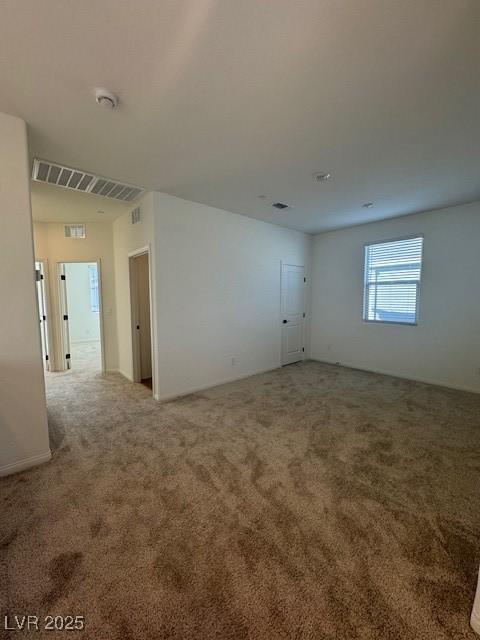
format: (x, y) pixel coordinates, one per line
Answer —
(280, 206)
(75, 231)
(136, 216)
(68, 178)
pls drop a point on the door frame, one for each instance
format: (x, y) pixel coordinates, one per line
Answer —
(285, 263)
(61, 333)
(48, 309)
(132, 282)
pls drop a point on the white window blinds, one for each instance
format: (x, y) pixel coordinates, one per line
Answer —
(392, 279)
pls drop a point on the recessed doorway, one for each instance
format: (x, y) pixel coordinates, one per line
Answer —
(80, 316)
(140, 292)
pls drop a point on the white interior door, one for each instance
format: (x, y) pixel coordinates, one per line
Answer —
(64, 317)
(292, 313)
(42, 310)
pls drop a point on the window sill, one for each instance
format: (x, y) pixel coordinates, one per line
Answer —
(403, 324)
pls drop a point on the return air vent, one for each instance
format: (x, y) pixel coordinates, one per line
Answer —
(136, 215)
(68, 178)
(75, 231)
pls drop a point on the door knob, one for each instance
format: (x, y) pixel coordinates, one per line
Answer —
(285, 321)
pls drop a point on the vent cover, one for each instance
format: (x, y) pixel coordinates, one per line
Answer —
(75, 231)
(68, 178)
(136, 216)
(280, 205)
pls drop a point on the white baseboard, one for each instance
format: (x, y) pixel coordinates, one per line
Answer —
(393, 374)
(25, 463)
(475, 619)
(218, 383)
(475, 622)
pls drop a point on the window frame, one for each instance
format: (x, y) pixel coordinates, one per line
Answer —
(419, 283)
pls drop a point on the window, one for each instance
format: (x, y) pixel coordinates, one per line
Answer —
(392, 279)
(93, 277)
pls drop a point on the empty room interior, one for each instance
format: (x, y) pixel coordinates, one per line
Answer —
(240, 345)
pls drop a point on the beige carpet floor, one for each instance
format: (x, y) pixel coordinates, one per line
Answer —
(85, 357)
(311, 502)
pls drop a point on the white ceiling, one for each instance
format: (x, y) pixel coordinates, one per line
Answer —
(54, 204)
(225, 100)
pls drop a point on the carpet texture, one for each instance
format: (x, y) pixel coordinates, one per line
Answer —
(311, 502)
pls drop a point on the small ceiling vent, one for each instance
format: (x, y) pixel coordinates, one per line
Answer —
(280, 206)
(136, 215)
(68, 178)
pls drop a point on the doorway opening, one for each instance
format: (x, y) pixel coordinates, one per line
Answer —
(80, 316)
(292, 313)
(140, 293)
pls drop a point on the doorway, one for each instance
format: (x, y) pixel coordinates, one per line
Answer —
(80, 316)
(140, 292)
(292, 313)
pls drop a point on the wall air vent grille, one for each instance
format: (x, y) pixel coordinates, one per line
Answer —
(68, 178)
(136, 216)
(75, 231)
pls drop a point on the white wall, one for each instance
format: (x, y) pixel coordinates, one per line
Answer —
(23, 417)
(83, 323)
(445, 346)
(128, 238)
(51, 244)
(217, 291)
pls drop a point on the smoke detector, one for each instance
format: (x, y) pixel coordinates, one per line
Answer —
(106, 99)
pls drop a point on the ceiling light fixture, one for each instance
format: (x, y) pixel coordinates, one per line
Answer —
(321, 177)
(106, 99)
(367, 205)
